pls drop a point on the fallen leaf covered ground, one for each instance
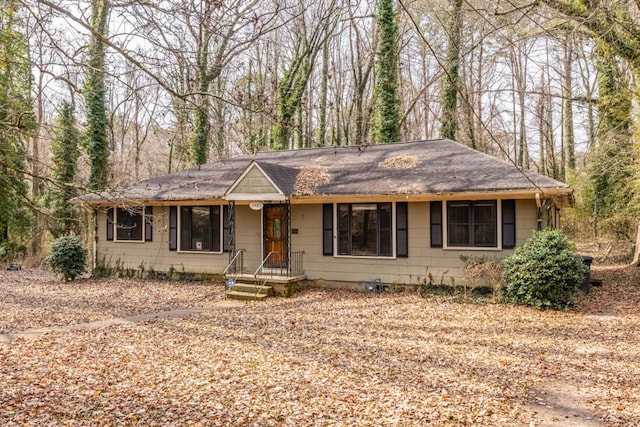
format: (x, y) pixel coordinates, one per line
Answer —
(35, 299)
(320, 358)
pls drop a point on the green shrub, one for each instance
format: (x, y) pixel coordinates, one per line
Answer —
(544, 272)
(11, 250)
(68, 257)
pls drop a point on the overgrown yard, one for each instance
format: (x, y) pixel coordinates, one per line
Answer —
(320, 358)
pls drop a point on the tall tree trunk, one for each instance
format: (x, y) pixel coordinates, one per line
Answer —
(324, 87)
(610, 172)
(519, 63)
(293, 83)
(569, 161)
(200, 136)
(552, 164)
(95, 97)
(65, 150)
(542, 168)
(478, 126)
(219, 129)
(386, 109)
(448, 116)
(178, 145)
(36, 181)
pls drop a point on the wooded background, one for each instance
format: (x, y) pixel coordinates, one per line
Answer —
(96, 94)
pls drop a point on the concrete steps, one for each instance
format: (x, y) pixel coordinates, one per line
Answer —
(241, 291)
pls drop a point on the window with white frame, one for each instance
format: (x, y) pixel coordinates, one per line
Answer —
(130, 224)
(473, 223)
(366, 229)
(200, 228)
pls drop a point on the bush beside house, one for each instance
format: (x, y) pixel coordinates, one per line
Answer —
(68, 257)
(544, 272)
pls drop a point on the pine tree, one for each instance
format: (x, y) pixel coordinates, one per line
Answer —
(16, 122)
(65, 150)
(94, 93)
(386, 109)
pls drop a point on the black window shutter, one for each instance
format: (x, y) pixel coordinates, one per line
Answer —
(215, 219)
(173, 228)
(327, 229)
(508, 224)
(436, 223)
(402, 229)
(226, 230)
(109, 212)
(148, 223)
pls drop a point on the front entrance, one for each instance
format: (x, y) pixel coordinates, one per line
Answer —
(276, 230)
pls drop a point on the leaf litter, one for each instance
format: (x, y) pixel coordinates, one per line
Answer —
(321, 358)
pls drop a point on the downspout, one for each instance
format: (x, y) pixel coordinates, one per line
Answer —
(539, 206)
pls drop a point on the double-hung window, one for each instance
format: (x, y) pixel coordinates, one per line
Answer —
(472, 223)
(200, 228)
(365, 229)
(129, 224)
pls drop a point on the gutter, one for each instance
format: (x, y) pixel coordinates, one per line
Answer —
(561, 196)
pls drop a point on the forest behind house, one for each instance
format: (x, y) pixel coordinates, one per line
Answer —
(96, 94)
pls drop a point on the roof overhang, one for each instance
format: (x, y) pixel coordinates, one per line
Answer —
(266, 197)
(562, 197)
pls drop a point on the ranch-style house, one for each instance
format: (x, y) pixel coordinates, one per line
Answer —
(395, 214)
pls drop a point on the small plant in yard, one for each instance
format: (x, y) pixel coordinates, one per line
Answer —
(68, 257)
(544, 272)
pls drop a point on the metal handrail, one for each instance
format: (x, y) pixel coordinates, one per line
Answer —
(293, 267)
(233, 260)
(264, 261)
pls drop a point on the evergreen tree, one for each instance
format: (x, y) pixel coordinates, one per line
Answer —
(386, 109)
(16, 122)
(94, 93)
(448, 119)
(65, 150)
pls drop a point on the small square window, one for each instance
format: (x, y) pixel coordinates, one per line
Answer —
(129, 224)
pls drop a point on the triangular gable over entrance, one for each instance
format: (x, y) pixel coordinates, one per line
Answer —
(262, 182)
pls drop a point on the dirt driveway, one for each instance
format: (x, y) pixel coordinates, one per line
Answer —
(320, 358)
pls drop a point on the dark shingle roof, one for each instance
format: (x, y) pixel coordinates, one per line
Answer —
(284, 177)
(419, 168)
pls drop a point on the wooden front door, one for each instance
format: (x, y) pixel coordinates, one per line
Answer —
(276, 229)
